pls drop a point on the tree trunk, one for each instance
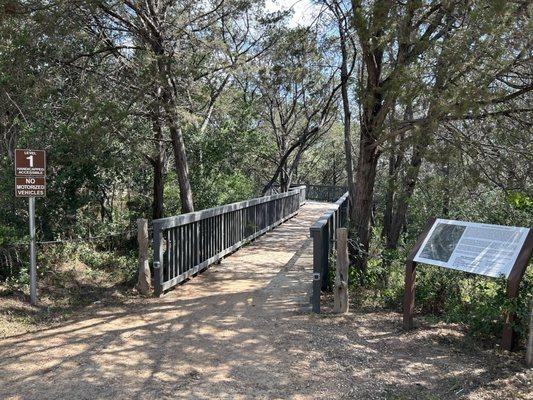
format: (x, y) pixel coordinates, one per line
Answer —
(361, 211)
(176, 134)
(157, 162)
(389, 195)
(396, 159)
(446, 189)
(408, 188)
(157, 204)
(347, 112)
(182, 168)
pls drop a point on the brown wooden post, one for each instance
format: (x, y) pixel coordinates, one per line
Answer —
(410, 275)
(340, 292)
(409, 294)
(143, 281)
(529, 351)
(509, 335)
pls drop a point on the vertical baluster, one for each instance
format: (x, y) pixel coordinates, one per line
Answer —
(255, 219)
(224, 231)
(190, 263)
(219, 234)
(214, 236)
(232, 228)
(185, 242)
(207, 237)
(158, 260)
(174, 256)
(169, 253)
(191, 245)
(207, 233)
(210, 237)
(201, 251)
(238, 225)
(179, 251)
(217, 237)
(183, 252)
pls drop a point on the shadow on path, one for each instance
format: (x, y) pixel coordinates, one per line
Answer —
(242, 330)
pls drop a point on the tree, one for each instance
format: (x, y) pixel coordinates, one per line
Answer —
(400, 42)
(297, 92)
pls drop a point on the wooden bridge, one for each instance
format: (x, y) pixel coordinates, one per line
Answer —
(186, 244)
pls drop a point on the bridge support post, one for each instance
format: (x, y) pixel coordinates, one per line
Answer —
(320, 263)
(158, 260)
(340, 291)
(317, 269)
(143, 280)
(529, 351)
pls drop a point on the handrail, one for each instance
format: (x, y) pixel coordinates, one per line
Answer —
(323, 234)
(168, 222)
(186, 244)
(319, 223)
(327, 193)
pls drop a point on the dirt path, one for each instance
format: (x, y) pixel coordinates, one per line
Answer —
(242, 330)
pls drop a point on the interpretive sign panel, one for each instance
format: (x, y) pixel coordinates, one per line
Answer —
(30, 187)
(30, 162)
(484, 249)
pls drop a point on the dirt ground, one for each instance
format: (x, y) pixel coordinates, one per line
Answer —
(243, 330)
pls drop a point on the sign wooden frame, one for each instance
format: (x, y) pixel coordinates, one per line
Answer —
(509, 335)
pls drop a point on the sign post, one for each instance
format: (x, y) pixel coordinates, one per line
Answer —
(33, 258)
(483, 249)
(30, 182)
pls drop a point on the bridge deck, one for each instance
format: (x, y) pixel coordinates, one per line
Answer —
(218, 329)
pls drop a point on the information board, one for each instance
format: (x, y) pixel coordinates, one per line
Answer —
(30, 162)
(484, 249)
(30, 187)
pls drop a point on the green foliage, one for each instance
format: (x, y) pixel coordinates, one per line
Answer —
(121, 265)
(520, 201)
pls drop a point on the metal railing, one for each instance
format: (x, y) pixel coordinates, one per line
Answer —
(323, 234)
(186, 244)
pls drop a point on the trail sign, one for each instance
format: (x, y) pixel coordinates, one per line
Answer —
(30, 186)
(30, 162)
(30, 182)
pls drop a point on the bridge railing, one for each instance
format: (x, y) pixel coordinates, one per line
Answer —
(325, 192)
(323, 234)
(186, 244)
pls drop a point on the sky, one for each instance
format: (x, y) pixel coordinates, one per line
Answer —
(304, 10)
